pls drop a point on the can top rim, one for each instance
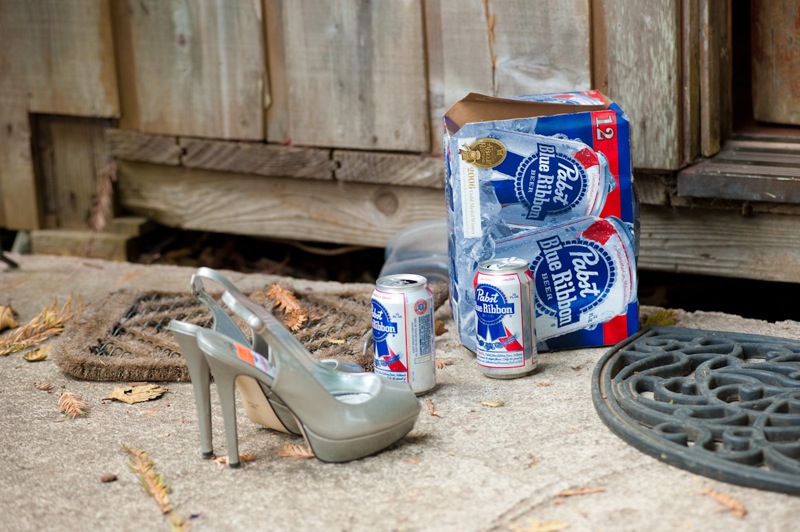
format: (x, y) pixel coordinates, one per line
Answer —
(401, 281)
(503, 264)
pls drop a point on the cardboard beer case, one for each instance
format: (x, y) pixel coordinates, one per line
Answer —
(541, 177)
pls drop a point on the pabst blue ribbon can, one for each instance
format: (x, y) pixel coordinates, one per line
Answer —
(403, 332)
(506, 336)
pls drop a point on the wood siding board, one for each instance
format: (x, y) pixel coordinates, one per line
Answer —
(131, 145)
(720, 243)
(775, 61)
(277, 108)
(642, 70)
(257, 158)
(356, 73)
(389, 168)
(65, 53)
(715, 75)
(690, 77)
(193, 68)
(18, 187)
(505, 49)
(328, 211)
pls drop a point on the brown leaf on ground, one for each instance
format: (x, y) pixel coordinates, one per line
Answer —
(7, 320)
(439, 327)
(733, 505)
(295, 451)
(136, 394)
(152, 482)
(286, 302)
(243, 458)
(44, 386)
(38, 355)
(431, 408)
(580, 491)
(442, 363)
(71, 405)
(50, 322)
(534, 525)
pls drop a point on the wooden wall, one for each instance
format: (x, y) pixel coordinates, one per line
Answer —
(316, 119)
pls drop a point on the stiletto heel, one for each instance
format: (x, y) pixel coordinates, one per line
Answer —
(343, 416)
(226, 388)
(199, 373)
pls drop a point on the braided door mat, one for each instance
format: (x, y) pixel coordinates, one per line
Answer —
(125, 336)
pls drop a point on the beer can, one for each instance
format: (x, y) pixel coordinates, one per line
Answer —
(506, 336)
(403, 332)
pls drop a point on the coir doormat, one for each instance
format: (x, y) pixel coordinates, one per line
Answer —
(126, 336)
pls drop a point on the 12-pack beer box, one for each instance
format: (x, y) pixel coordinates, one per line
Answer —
(546, 178)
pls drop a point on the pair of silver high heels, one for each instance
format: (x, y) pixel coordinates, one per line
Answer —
(342, 412)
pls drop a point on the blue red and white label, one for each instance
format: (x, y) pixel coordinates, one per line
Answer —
(547, 183)
(388, 336)
(571, 278)
(500, 328)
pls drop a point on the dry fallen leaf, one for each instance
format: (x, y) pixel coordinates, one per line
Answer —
(440, 328)
(493, 404)
(136, 394)
(335, 341)
(295, 451)
(244, 457)
(152, 482)
(7, 320)
(431, 408)
(71, 405)
(540, 526)
(542, 384)
(442, 363)
(50, 322)
(288, 303)
(733, 505)
(37, 355)
(44, 386)
(579, 491)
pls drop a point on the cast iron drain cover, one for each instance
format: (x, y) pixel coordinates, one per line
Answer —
(723, 405)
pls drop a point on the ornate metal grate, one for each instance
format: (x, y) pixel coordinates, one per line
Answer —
(722, 405)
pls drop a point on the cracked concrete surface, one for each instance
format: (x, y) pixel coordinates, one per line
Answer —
(471, 467)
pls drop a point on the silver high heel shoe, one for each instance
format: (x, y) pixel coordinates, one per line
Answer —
(343, 416)
(271, 414)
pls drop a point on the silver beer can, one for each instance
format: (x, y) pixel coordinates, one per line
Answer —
(506, 327)
(403, 331)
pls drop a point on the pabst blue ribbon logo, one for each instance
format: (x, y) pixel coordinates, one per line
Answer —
(548, 183)
(491, 307)
(571, 278)
(382, 327)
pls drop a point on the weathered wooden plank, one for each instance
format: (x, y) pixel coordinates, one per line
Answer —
(65, 54)
(390, 168)
(690, 79)
(71, 153)
(81, 243)
(325, 211)
(505, 48)
(736, 181)
(723, 243)
(776, 61)
(257, 158)
(131, 145)
(277, 104)
(356, 71)
(193, 68)
(715, 65)
(18, 191)
(641, 40)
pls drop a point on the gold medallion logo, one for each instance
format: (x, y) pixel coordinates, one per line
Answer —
(484, 153)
